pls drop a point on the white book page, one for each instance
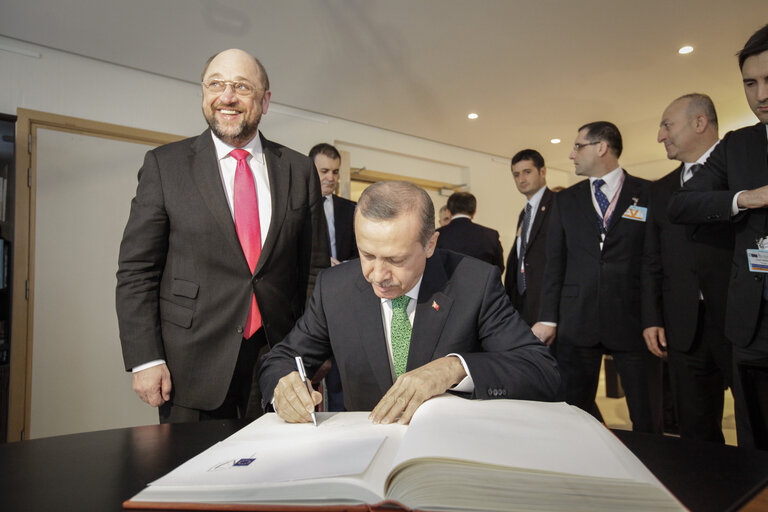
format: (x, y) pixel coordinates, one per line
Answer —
(553, 437)
(343, 447)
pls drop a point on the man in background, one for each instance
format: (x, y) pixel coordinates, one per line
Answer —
(444, 216)
(685, 279)
(527, 259)
(465, 237)
(340, 218)
(223, 243)
(590, 303)
(733, 186)
(339, 212)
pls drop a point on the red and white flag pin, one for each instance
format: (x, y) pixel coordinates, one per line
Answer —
(435, 305)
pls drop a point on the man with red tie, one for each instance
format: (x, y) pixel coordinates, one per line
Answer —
(224, 239)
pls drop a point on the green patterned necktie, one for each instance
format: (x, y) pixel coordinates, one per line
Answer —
(401, 334)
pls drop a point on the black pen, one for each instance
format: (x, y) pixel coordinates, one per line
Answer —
(303, 377)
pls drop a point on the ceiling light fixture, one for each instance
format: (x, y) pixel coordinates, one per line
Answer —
(472, 115)
(555, 141)
(685, 50)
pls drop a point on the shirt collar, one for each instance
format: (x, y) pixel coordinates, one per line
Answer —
(702, 159)
(536, 198)
(461, 216)
(253, 147)
(413, 293)
(611, 179)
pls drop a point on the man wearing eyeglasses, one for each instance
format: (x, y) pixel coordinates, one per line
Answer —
(590, 304)
(224, 239)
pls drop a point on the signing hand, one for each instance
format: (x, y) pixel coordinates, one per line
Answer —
(412, 389)
(153, 385)
(292, 400)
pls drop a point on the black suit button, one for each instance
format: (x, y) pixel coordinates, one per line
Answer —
(239, 329)
(756, 278)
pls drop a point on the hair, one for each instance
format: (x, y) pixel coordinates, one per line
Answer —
(386, 200)
(462, 202)
(605, 132)
(700, 104)
(324, 149)
(262, 71)
(529, 154)
(758, 43)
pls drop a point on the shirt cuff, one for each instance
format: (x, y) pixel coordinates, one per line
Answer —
(735, 204)
(467, 385)
(551, 324)
(156, 362)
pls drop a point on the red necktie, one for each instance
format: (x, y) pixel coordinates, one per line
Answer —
(247, 227)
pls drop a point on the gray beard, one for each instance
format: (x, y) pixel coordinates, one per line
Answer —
(242, 137)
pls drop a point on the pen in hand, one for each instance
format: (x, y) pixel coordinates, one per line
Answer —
(303, 376)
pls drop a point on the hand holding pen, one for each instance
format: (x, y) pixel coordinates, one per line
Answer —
(294, 399)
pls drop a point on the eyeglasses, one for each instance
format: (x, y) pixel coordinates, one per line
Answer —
(219, 86)
(578, 145)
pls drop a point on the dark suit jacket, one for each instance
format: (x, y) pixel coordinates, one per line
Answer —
(183, 283)
(594, 296)
(344, 222)
(680, 262)
(737, 163)
(465, 237)
(461, 309)
(535, 261)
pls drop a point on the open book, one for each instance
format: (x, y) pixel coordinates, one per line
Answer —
(456, 454)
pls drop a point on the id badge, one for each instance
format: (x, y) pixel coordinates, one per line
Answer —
(635, 212)
(758, 260)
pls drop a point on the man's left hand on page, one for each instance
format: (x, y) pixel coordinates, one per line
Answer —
(412, 389)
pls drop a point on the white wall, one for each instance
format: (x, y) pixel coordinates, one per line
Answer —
(51, 81)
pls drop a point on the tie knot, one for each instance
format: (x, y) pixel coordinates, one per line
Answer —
(694, 168)
(598, 183)
(400, 302)
(528, 207)
(239, 154)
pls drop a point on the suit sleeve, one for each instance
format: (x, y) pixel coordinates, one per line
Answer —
(705, 198)
(140, 269)
(499, 256)
(554, 270)
(309, 338)
(314, 250)
(651, 269)
(513, 362)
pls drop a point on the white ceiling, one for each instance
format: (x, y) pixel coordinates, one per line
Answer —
(532, 69)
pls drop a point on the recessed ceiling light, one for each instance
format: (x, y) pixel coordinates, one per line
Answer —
(685, 50)
(472, 116)
(555, 141)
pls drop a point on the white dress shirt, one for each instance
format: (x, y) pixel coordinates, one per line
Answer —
(467, 385)
(227, 167)
(329, 219)
(534, 202)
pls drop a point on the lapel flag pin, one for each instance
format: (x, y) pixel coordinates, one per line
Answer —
(435, 305)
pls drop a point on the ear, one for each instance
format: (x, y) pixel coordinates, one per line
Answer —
(429, 250)
(602, 148)
(700, 123)
(543, 171)
(265, 102)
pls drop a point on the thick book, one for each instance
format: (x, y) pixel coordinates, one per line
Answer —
(456, 454)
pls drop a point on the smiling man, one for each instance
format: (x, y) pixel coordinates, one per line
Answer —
(223, 243)
(733, 186)
(408, 322)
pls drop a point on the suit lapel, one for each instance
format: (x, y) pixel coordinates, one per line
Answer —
(204, 169)
(546, 199)
(279, 186)
(627, 196)
(366, 311)
(432, 310)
